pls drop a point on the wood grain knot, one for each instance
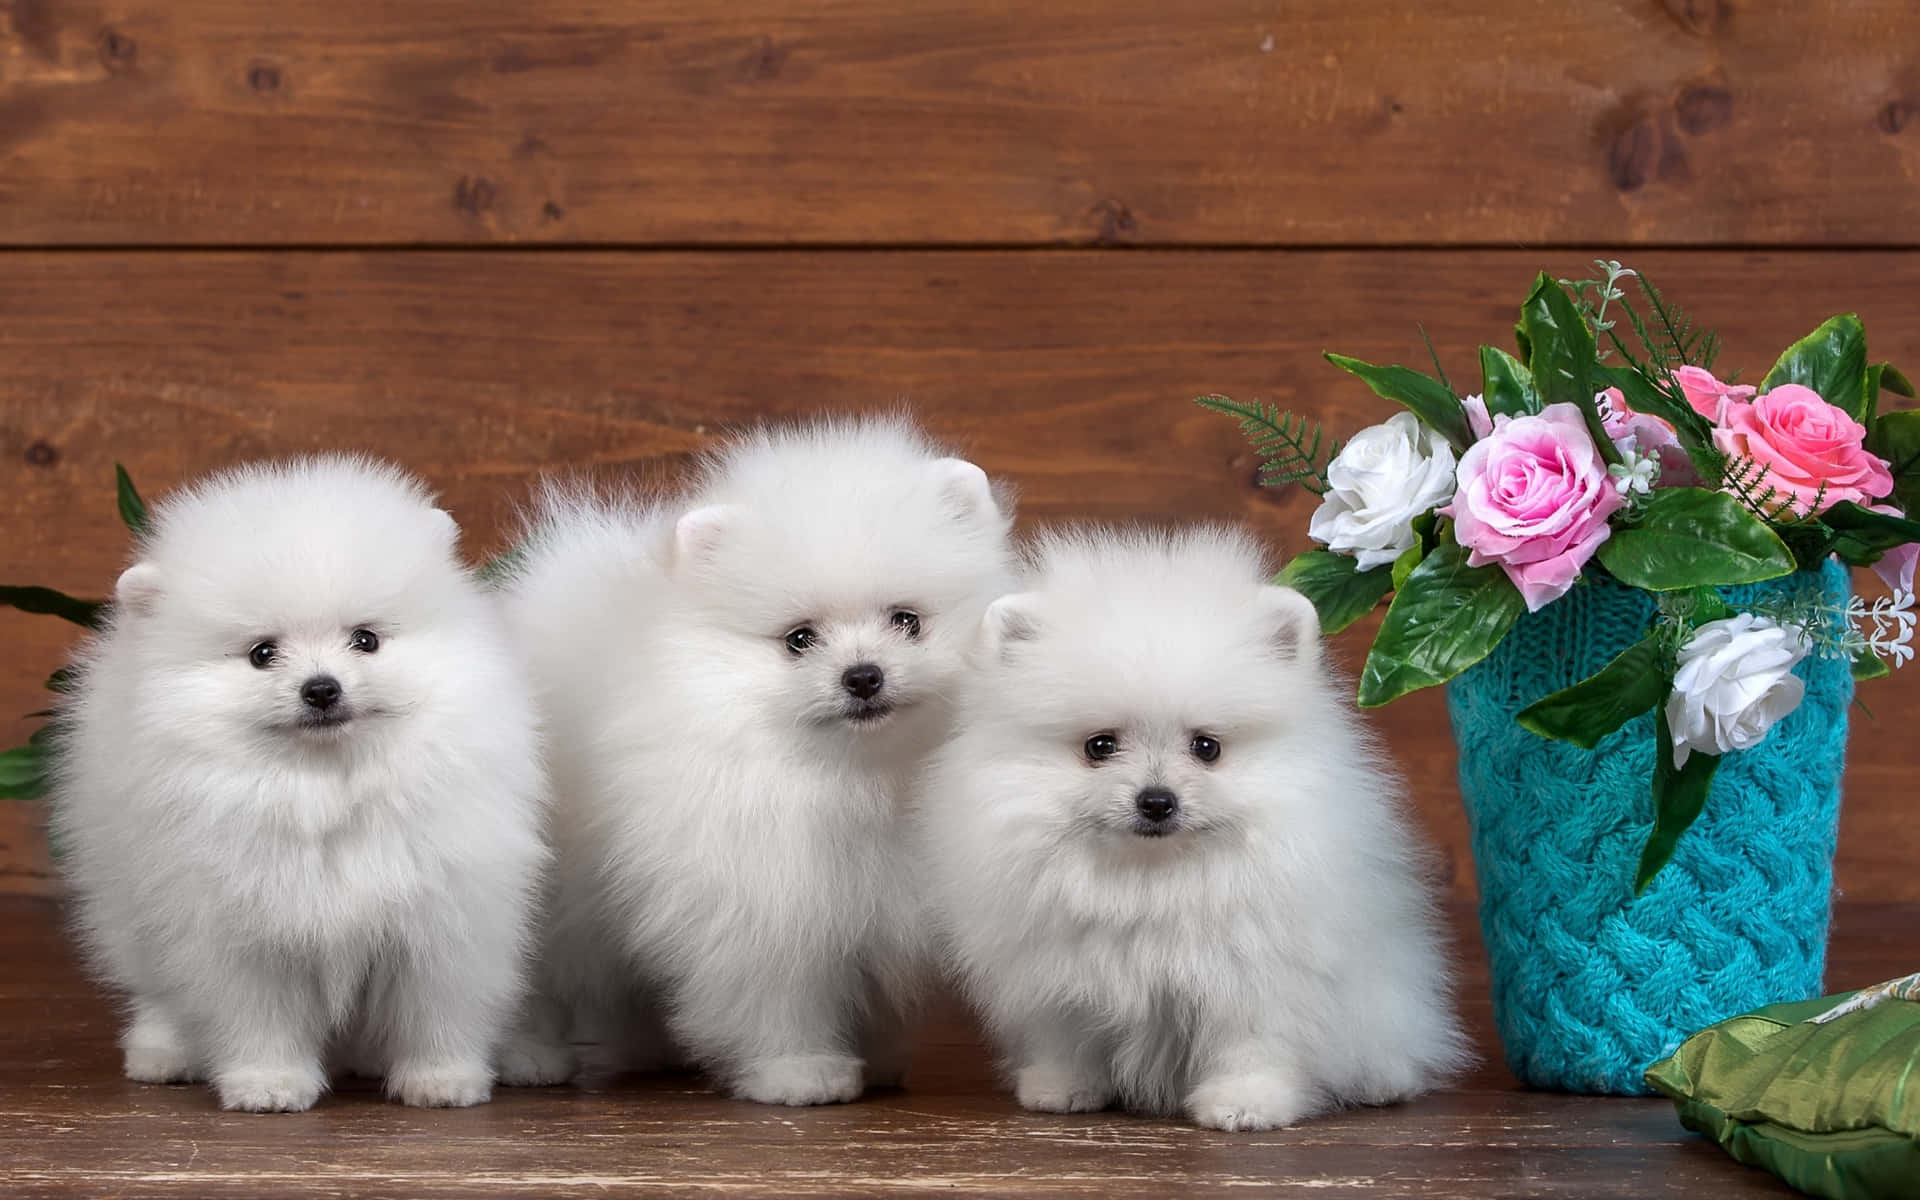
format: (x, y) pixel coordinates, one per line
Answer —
(1112, 222)
(551, 211)
(1703, 108)
(1698, 17)
(473, 195)
(42, 454)
(1894, 116)
(764, 60)
(264, 78)
(1634, 155)
(117, 50)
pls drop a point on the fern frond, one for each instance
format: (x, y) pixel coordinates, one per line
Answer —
(1673, 340)
(1290, 448)
(1747, 481)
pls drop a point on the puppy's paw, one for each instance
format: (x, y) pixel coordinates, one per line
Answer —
(1247, 1103)
(1055, 1089)
(161, 1063)
(268, 1089)
(529, 1061)
(440, 1085)
(801, 1079)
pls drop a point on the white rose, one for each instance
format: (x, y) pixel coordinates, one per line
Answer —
(1384, 478)
(1735, 680)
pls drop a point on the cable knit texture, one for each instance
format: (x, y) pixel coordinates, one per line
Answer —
(1590, 985)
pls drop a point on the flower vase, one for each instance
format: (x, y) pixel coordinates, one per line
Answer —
(1592, 984)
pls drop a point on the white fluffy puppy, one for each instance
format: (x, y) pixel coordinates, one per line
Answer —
(300, 793)
(741, 687)
(1172, 866)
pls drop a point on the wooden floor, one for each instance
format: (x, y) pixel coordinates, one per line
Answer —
(70, 1125)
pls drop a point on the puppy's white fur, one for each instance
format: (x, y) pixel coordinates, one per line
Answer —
(1275, 952)
(735, 883)
(275, 895)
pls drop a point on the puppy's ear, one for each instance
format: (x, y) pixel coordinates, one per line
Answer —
(446, 527)
(1293, 627)
(966, 489)
(698, 533)
(1010, 620)
(137, 588)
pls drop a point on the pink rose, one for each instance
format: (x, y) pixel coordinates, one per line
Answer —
(1646, 435)
(1805, 445)
(1477, 418)
(1534, 496)
(1708, 395)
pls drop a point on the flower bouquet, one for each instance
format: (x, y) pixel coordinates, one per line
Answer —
(1631, 575)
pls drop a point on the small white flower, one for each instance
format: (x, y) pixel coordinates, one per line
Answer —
(1635, 473)
(1735, 680)
(1384, 478)
(1893, 620)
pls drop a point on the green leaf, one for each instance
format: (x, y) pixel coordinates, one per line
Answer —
(1446, 617)
(23, 773)
(1690, 537)
(1832, 360)
(1678, 796)
(1404, 565)
(1563, 356)
(1855, 552)
(1868, 665)
(1876, 531)
(1426, 397)
(1631, 684)
(1506, 385)
(133, 510)
(1884, 377)
(1895, 436)
(53, 604)
(1341, 593)
(1708, 605)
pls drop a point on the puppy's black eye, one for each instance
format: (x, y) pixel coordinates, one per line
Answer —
(263, 654)
(366, 641)
(1204, 747)
(802, 639)
(1102, 746)
(907, 622)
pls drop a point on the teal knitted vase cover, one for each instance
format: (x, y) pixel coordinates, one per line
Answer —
(1590, 984)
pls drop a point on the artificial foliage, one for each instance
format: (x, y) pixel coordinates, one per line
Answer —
(1603, 446)
(23, 769)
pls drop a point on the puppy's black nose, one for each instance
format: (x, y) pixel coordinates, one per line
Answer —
(1156, 803)
(321, 692)
(863, 680)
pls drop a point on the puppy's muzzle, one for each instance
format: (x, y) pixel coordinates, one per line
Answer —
(323, 701)
(1156, 812)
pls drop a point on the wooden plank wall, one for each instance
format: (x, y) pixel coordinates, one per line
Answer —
(494, 239)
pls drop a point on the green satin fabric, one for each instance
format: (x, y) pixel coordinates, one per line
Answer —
(1833, 1109)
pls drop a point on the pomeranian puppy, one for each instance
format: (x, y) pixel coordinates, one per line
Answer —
(300, 792)
(1171, 867)
(741, 686)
